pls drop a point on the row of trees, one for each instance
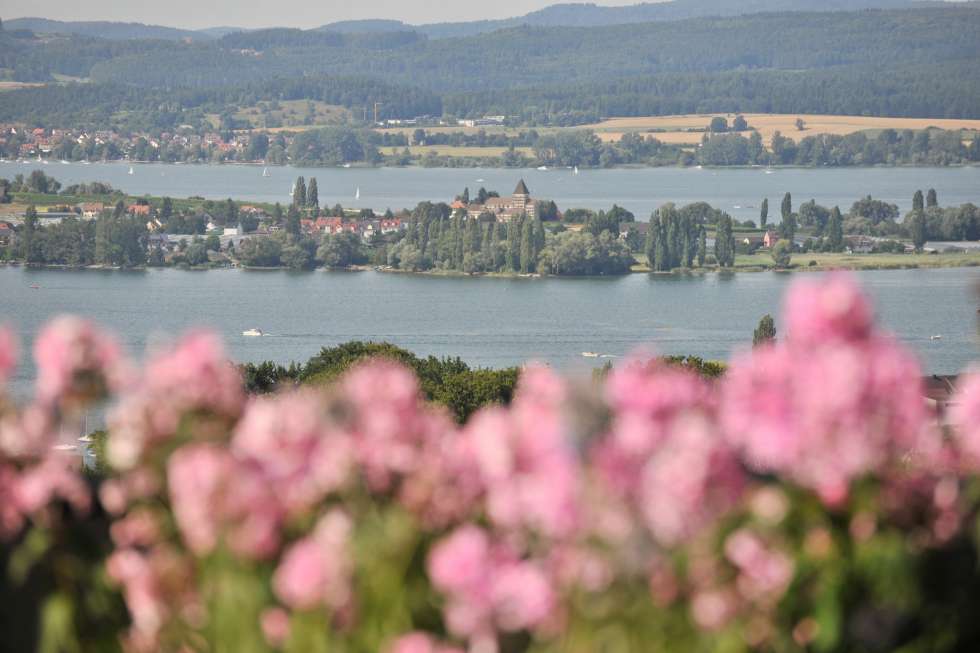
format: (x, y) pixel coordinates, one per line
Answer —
(113, 239)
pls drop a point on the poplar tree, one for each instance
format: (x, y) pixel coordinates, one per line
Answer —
(539, 237)
(918, 202)
(764, 213)
(299, 193)
(514, 244)
(489, 243)
(932, 200)
(787, 227)
(835, 230)
(30, 232)
(725, 242)
(527, 246)
(313, 195)
(765, 332)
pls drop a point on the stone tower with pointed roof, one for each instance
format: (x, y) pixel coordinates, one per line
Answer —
(522, 196)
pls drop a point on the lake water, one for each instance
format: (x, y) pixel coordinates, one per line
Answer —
(738, 191)
(486, 321)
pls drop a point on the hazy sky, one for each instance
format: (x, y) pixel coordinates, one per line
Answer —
(265, 13)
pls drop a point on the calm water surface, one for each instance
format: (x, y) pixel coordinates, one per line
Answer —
(737, 191)
(486, 321)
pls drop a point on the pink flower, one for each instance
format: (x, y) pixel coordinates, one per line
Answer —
(420, 643)
(663, 452)
(315, 571)
(528, 464)
(213, 494)
(764, 574)
(965, 417)
(287, 440)
(275, 626)
(197, 475)
(76, 362)
(487, 585)
(8, 354)
(834, 401)
(522, 596)
(824, 311)
(196, 374)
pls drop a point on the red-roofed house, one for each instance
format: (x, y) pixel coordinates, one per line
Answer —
(138, 209)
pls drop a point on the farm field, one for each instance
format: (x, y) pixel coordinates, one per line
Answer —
(450, 150)
(677, 129)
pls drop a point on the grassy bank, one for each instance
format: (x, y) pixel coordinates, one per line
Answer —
(816, 262)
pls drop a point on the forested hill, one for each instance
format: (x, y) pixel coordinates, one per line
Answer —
(102, 29)
(912, 62)
(592, 15)
(534, 56)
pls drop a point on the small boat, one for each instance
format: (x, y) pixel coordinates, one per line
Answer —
(936, 338)
(575, 170)
(590, 354)
(769, 171)
(543, 168)
(131, 171)
(480, 181)
(35, 286)
(253, 333)
(265, 172)
(65, 163)
(346, 165)
(357, 195)
(85, 439)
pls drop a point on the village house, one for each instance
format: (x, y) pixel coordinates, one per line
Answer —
(391, 225)
(6, 234)
(770, 239)
(506, 209)
(91, 210)
(138, 209)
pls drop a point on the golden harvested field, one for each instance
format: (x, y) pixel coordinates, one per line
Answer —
(675, 129)
(449, 150)
(13, 86)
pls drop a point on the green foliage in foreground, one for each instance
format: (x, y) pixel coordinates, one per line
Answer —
(446, 381)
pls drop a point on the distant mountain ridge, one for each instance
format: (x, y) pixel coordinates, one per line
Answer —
(103, 29)
(558, 15)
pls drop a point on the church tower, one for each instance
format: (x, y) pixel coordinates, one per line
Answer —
(522, 196)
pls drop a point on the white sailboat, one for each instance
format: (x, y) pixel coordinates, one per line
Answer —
(265, 172)
(575, 172)
(131, 171)
(357, 194)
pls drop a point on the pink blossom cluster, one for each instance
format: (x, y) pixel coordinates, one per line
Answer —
(562, 496)
(833, 401)
(76, 365)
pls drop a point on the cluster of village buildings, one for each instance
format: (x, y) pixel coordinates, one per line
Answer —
(24, 143)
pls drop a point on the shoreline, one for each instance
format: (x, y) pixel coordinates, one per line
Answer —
(363, 165)
(637, 269)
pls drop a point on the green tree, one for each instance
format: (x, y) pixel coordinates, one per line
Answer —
(299, 193)
(528, 258)
(918, 229)
(725, 242)
(764, 213)
(932, 201)
(787, 228)
(782, 254)
(293, 225)
(835, 231)
(719, 125)
(31, 251)
(766, 331)
(918, 202)
(313, 195)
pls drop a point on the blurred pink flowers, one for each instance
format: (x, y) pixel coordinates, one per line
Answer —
(833, 401)
(8, 354)
(509, 524)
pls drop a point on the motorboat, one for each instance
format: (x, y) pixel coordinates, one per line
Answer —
(590, 354)
(252, 333)
(936, 338)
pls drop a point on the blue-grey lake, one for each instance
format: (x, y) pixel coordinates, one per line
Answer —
(492, 321)
(486, 321)
(739, 191)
